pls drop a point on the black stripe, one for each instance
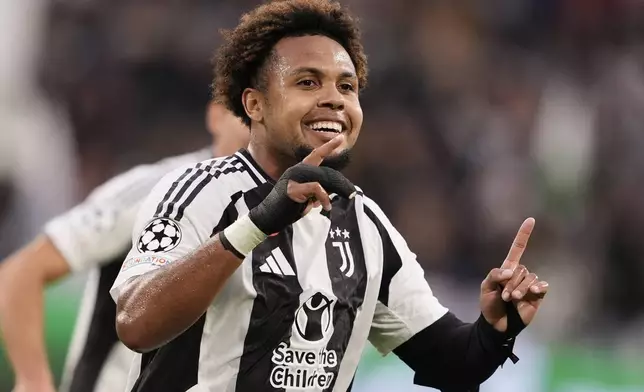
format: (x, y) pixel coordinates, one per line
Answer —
(228, 246)
(349, 290)
(273, 310)
(229, 215)
(218, 172)
(254, 165)
(392, 263)
(171, 190)
(170, 207)
(251, 173)
(101, 336)
(185, 185)
(175, 366)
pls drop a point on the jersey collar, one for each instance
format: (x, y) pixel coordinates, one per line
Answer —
(253, 166)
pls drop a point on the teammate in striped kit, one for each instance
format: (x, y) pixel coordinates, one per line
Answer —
(283, 269)
(94, 236)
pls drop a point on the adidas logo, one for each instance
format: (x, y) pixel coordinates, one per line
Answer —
(276, 263)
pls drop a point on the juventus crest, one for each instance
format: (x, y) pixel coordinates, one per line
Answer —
(341, 243)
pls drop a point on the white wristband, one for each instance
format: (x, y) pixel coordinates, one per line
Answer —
(243, 235)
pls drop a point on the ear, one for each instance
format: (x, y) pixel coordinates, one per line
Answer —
(253, 101)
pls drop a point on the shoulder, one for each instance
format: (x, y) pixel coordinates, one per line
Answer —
(208, 184)
(135, 183)
(371, 207)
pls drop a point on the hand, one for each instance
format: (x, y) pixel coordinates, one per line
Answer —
(512, 283)
(299, 189)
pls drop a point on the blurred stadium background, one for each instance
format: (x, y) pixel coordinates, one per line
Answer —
(479, 113)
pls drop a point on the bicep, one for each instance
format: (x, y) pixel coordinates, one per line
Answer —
(409, 308)
(406, 303)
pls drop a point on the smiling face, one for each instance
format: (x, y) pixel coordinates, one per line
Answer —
(310, 96)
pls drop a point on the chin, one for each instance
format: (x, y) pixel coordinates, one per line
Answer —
(338, 161)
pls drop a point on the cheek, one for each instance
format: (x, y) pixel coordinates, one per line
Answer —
(297, 107)
(356, 119)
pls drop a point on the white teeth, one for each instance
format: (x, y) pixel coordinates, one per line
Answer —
(327, 125)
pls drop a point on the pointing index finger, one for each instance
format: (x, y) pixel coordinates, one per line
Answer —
(519, 244)
(318, 154)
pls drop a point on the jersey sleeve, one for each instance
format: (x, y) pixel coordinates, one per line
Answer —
(406, 304)
(99, 229)
(181, 213)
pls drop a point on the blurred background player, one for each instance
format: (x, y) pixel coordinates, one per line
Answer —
(94, 235)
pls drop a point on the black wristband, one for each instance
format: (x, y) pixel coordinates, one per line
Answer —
(493, 340)
(228, 246)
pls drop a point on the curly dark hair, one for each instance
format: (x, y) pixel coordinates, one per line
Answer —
(241, 59)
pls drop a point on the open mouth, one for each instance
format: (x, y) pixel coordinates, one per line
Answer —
(333, 127)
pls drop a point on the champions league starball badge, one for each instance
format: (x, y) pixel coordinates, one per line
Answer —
(160, 235)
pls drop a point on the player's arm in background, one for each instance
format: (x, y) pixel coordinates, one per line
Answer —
(93, 232)
(444, 352)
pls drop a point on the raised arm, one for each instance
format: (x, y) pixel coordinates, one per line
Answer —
(445, 352)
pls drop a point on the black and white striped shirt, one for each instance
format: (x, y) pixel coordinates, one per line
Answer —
(297, 313)
(95, 236)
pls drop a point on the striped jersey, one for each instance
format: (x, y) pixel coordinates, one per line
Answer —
(95, 236)
(298, 312)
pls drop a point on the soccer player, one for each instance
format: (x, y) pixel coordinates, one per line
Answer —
(93, 236)
(282, 269)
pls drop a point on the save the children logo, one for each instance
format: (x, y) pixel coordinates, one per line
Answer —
(302, 364)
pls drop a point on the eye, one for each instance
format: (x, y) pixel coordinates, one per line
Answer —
(347, 87)
(306, 83)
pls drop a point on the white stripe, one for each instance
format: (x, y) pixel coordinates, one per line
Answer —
(265, 268)
(337, 244)
(222, 343)
(251, 166)
(362, 323)
(309, 251)
(113, 375)
(135, 371)
(271, 263)
(282, 262)
(350, 257)
(241, 207)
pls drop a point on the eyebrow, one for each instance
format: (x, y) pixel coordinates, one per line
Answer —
(318, 72)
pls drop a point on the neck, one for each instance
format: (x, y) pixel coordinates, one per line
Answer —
(269, 160)
(214, 150)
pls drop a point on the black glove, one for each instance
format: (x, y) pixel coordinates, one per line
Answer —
(278, 210)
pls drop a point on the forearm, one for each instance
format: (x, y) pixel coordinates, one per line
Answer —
(454, 356)
(158, 306)
(22, 283)
(21, 321)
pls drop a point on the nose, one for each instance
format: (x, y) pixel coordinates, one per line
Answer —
(331, 98)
